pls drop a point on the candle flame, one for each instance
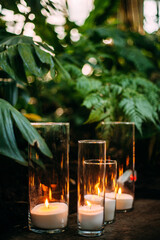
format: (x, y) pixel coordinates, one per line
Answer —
(119, 191)
(99, 192)
(47, 203)
(88, 204)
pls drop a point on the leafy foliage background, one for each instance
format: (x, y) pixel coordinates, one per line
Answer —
(47, 82)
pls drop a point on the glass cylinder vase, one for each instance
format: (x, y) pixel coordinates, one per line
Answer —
(49, 180)
(91, 174)
(120, 145)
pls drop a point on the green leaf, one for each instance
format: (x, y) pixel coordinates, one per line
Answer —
(73, 70)
(29, 58)
(16, 63)
(65, 74)
(138, 110)
(129, 107)
(93, 100)
(8, 146)
(97, 115)
(14, 40)
(85, 85)
(20, 55)
(45, 58)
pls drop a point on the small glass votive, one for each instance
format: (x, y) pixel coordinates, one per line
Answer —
(49, 180)
(110, 191)
(91, 175)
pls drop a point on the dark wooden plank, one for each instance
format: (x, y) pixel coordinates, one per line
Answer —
(143, 223)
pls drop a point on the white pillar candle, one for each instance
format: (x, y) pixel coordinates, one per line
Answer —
(94, 199)
(90, 217)
(52, 217)
(110, 205)
(124, 201)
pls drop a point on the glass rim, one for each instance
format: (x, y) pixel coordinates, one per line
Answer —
(95, 162)
(49, 123)
(100, 162)
(92, 141)
(125, 123)
(110, 161)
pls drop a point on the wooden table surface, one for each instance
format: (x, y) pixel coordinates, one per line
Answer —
(143, 223)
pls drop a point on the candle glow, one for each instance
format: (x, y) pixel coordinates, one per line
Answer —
(88, 204)
(120, 191)
(99, 192)
(46, 203)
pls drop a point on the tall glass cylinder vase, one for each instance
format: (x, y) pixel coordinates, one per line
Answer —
(91, 175)
(49, 180)
(120, 145)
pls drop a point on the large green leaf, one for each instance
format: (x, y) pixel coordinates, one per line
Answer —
(14, 40)
(8, 145)
(21, 56)
(29, 58)
(16, 63)
(45, 58)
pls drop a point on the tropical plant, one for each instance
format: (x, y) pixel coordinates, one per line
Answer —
(121, 83)
(8, 146)
(19, 59)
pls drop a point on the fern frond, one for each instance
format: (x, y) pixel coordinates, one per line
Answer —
(138, 110)
(86, 85)
(93, 101)
(129, 108)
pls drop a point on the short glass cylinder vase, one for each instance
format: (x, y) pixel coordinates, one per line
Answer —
(91, 175)
(120, 145)
(110, 191)
(49, 180)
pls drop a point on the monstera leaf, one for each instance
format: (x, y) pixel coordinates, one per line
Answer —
(8, 145)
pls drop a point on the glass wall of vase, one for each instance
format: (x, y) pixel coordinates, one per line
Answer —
(91, 187)
(49, 180)
(120, 145)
